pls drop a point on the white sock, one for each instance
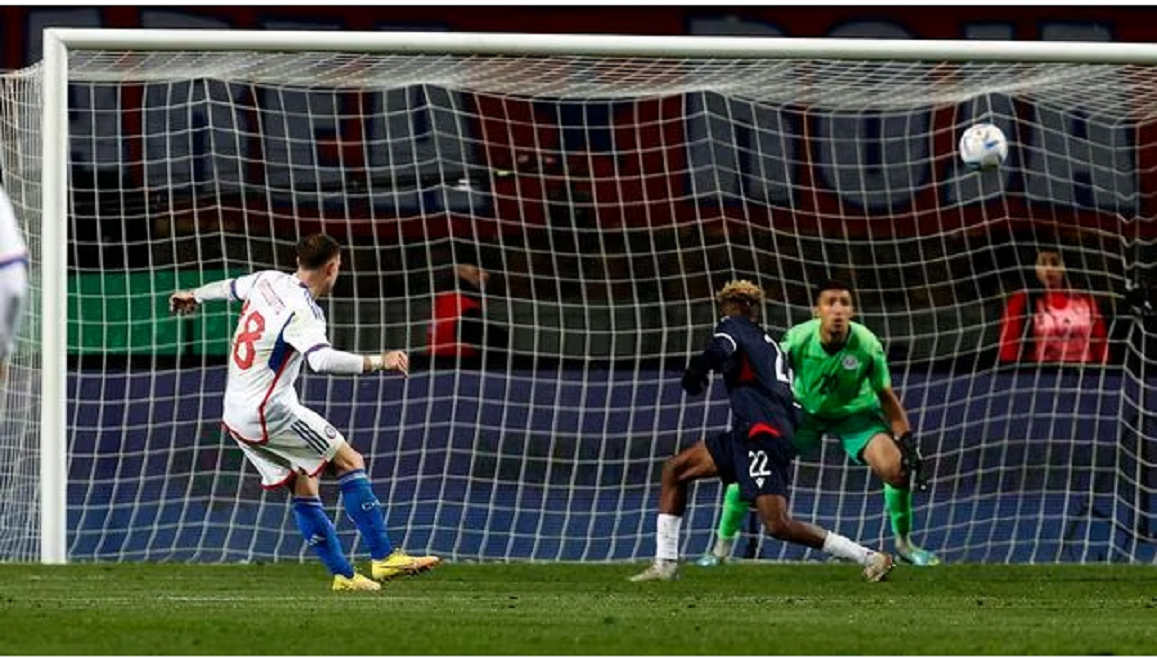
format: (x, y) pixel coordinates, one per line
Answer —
(667, 537)
(722, 549)
(842, 547)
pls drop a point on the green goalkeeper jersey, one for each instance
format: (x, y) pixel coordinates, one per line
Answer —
(836, 385)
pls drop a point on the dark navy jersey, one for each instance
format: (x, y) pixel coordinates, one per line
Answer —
(757, 373)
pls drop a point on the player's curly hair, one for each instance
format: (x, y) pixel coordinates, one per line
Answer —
(741, 296)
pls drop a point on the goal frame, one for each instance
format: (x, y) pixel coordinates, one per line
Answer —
(58, 42)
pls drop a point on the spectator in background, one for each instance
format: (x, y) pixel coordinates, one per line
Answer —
(1054, 323)
(459, 334)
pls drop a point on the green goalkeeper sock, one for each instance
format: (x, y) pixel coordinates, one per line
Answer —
(734, 510)
(899, 503)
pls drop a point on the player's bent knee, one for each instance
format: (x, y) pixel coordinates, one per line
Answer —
(347, 459)
(884, 456)
(778, 527)
(694, 463)
(673, 470)
(304, 486)
(895, 476)
(775, 518)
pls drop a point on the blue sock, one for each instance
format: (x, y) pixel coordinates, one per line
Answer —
(320, 534)
(363, 508)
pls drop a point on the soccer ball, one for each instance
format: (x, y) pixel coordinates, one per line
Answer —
(983, 146)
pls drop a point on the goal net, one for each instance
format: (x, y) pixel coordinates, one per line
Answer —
(608, 192)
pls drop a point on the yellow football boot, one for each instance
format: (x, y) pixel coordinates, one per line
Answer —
(399, 563)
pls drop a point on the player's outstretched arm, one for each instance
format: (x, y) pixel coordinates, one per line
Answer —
(393, 360)
(323, 358)
(306, 333)
(894, 411)
(696, 376)
(183, 302)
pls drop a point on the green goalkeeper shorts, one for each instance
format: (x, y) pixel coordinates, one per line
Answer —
(854, 432)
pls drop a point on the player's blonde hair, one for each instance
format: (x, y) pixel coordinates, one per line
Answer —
(743, 295)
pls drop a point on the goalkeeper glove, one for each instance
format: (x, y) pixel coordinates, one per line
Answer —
(913, 461)
(694, 381)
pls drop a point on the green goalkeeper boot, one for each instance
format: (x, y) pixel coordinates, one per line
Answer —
(719, 554)
(915, 556)
(709, 560)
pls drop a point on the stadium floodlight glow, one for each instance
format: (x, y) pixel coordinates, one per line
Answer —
(613, 183)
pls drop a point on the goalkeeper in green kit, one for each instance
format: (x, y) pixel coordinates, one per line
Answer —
(843, 384)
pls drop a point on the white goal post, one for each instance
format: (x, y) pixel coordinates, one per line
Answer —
(735, 99)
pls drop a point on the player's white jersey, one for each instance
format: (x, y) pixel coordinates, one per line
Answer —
(279, 325)
(12, 246)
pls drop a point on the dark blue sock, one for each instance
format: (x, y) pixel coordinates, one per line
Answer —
(320, 534)
(363, 508)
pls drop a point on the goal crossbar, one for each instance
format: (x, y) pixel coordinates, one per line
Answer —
(515, 44)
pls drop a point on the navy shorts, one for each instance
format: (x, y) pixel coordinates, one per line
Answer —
(758, 457)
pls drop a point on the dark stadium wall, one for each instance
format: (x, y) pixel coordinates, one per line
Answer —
(1061, 490)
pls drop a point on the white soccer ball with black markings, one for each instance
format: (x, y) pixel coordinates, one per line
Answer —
(983, 147)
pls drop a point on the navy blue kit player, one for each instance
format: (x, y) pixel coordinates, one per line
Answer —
(756, 452)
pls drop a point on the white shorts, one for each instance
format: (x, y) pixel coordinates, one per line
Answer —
(304, 445)
(13, 288)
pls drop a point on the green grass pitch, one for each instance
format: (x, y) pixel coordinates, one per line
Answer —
(534, 609)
